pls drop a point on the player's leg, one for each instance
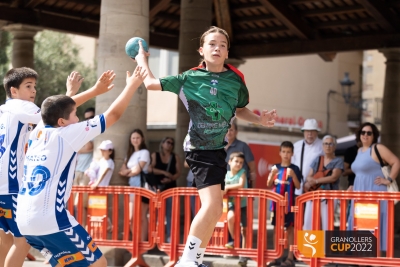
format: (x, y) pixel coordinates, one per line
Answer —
(73, 247)
(6, 241)
(18, 251)
(230, 217)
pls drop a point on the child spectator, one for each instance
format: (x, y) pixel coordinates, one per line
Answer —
(285, 177)
(106, 165)
(236, 178)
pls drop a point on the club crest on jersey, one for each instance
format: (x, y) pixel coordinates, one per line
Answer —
(214, 111)
(214, 82)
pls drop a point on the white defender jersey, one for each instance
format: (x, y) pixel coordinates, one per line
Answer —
(16, 122)
(48, 176)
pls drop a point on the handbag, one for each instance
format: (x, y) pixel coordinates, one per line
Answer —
(392, 187)
(321, 172)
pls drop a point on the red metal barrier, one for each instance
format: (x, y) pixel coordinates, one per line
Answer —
(343, 197)
(119, 196)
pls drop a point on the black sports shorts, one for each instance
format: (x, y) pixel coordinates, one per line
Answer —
(208, 167)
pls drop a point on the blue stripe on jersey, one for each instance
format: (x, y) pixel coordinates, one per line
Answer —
(61, 212)
(103, 123)
(13, 187)
(283, 188)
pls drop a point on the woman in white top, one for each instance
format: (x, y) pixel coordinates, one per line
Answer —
(137, 160)
(106, 165)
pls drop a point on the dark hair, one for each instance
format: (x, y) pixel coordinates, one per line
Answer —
(112, 155)
(56, 107)
(163, 141)
(236, 155)
(375, 133)
(14, 77)
(131, 148)
(287, 144)
(91, 109)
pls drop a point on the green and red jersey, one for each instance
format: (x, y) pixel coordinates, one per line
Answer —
(211, 98)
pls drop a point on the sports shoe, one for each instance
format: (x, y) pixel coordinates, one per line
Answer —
(243, 261)
(202, 265)
(189, 264)
(229, 245)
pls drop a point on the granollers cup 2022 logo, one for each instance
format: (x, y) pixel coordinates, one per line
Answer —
(321, 244)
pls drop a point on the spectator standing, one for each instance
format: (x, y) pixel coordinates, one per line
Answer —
(235, 145)
(349, 156)
(166, 169)
(306, 150)
(369, 176)
(137, 160)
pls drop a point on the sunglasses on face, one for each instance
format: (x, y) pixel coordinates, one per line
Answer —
(328, 144)
(170, 143)
(369, 133)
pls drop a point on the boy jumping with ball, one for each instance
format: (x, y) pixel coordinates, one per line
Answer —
(49, 166)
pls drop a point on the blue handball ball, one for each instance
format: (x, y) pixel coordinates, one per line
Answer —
(132, 46)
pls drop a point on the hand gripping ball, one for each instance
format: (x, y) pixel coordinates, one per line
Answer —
(132, 46)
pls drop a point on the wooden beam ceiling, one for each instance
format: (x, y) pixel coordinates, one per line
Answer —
(382, 14)
(223, 16)
(50, 21)
(244, 7)
(156, 6)
(288, 17)
(329, 45)
(264, 17)
(330, 11)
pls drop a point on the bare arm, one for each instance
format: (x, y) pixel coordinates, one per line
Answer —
(150, 81)
(391, 159)
(74, 82)
(267, 118)
(238, 185)
(331, 178)
(295, 179)
(252, 170)
(87, 148)
(135, 170)
(102, 86)
(117, 108)
(96, 184)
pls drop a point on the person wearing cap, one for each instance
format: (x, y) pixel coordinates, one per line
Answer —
(106, 165)
(307, 149)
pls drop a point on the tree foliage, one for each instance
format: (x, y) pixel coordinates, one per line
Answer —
(55, 56)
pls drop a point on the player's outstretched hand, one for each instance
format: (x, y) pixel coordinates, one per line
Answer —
(137, 77)
(104, 83)
(267, 118)
(74, 82)
(142, 54)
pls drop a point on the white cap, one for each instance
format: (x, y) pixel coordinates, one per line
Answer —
(106, 145)
(310, 125)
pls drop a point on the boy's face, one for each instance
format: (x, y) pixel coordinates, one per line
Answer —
(286, 154)
(26, 91)
(71, 120)
(236, 163)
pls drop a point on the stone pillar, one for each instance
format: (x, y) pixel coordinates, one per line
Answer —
(196, 18)
(390, 133)
(23, 44)
(119, 23)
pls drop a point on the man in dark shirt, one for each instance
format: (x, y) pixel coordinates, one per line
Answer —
(349, 156)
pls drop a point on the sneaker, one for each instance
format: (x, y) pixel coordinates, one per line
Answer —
(243, 261)
(229, 245)
(188, 264)
(202, 265)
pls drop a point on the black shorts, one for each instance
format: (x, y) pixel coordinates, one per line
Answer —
(208, 167)
(243, 214)
(289, 220)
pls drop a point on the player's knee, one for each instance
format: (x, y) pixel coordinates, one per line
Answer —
(102, 262)
(6, 240)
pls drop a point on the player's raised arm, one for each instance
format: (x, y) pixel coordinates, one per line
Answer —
(117, 108)
(103, 85)
(150, 81)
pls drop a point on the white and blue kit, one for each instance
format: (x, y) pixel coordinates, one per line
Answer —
(46, 186)
(17, 118)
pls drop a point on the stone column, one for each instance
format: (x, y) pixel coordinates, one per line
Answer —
(119, 23)
(390, 133)
(195, 19)
(23, 44)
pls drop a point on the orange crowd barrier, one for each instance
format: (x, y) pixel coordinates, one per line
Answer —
(105, 204)
(367, 216)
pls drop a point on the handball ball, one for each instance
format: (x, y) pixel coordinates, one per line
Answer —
(132, 46)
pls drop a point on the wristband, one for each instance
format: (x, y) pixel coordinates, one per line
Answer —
(390, 180)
